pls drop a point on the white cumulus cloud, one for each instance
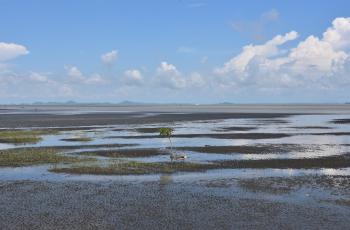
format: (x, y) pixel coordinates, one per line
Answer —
(38, 77)
(109, 57)
(10, 51)
(314, 62)
(77, 76)
(133, 77)
(74, 72)
(168, 76)
(238, 64)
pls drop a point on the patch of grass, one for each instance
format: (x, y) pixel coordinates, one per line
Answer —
(134, 168)
(34, 156)
(77, 139)
(87, 146)
(24, 136)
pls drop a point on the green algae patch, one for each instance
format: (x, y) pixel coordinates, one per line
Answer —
(36, 156)
(24, 136)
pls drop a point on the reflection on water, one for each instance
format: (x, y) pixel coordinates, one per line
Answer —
(100, 134)
(41, 173)
(165, 179)
(301, 128)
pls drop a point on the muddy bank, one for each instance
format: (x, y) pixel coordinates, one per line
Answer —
(311, 127)
(337, 185)
(84, 128)
(141, 152)
(340, 121)
(55, 120)
(338, 161)
(148, 130)
(332, 184)
(254, 149)
(212, 135)
(341, 202)
(133, 168)
(270, 121)
(235, 128)
(155, 205)
(331, 134)
(143, 168)
(74, 147)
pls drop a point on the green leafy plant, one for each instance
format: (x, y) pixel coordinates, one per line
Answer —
(167, 132)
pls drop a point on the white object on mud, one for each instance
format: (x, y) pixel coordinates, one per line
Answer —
(174, 156)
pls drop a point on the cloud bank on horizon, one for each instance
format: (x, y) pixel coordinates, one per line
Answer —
(315, 65)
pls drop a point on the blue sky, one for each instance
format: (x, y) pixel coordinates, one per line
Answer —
(175, 51)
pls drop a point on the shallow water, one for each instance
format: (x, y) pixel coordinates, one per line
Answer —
(101, 135)
(319, 145)
(41, 173)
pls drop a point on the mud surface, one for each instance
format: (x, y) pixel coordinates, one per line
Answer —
(250, 149)
(333, 134)
(235, 128)
(339, 185)
(267, 169)
(338, 161)
(311, 127)
(86, 146)
(139, 152)
(156, 205)
(52, 120)
(341, 121)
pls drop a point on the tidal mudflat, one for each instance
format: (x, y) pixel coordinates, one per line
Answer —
(260, 167)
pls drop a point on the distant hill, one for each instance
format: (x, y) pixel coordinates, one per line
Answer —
(131, 103)
(122, 103)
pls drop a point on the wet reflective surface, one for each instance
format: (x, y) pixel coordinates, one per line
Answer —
(309, 136)
(298, 195)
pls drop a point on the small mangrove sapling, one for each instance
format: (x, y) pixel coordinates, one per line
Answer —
(167, 132)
